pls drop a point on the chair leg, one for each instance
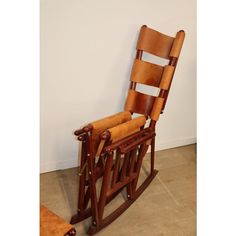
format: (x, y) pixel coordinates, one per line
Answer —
(130, 191)
(90, 193)
(105, 184)
(85, 212)
(143, 150)
(123, 176)
(82, 178)
(152, 154)
(92, 184)
(116, 169)
(115, 214)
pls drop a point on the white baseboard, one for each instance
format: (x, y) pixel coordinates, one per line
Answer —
(61, 165)
(174, 143)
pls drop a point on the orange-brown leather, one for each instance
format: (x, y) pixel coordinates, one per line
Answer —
(139, 103)
(51, 224)
(146, 73)
(127, 128)
(101, 125)
(166, 77)
(157, 107)
(177, 45)
(154, 42)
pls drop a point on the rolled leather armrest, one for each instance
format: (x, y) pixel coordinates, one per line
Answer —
(123, 130)
(99, 126)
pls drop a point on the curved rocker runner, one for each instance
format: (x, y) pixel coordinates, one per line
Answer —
(113, 148)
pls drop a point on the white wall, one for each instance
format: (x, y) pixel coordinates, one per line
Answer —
(87, 50)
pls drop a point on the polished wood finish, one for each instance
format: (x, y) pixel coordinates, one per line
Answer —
(129, 139)
(152, 155)
(114, 147)
(116, 169)
(105, 184)
(119, 185)
(82, 179)
(92, 182)
(115, 214)
(130, 146)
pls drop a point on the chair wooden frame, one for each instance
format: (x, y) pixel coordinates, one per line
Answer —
(119, 160)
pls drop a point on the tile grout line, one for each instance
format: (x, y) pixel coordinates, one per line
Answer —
(168, 191)
(63, 191)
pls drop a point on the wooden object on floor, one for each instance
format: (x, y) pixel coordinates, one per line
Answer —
(114, 147)
(53, 225)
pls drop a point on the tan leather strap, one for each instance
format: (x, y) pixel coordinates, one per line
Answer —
(127, 128)
(139, 103)
(146, 73)
(154, 42)
(166, 77)
(157, 107)
(177, 45)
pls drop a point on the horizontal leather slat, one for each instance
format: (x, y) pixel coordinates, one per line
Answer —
(154, 42)
(146, 73)
(139, 103)
(166, 77)
(127, 128)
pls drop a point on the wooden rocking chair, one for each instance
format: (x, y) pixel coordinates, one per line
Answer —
(114, 147)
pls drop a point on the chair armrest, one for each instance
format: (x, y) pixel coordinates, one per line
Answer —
(123, 130)
(85, 129)
(105, 123)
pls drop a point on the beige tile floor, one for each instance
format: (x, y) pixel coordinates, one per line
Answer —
(166, 208)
